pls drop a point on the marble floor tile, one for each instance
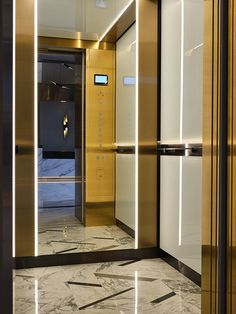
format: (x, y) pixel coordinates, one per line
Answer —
(60, 230)
(128, 289)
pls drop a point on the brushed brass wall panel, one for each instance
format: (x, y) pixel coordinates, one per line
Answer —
(210, 156)
(25, 128)
(63, 43)
(148, 59)
(100, 158)
(231, 295)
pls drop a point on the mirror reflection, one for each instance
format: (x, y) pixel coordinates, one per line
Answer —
(86, 129)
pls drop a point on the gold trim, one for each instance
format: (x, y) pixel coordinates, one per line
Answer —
(66, 44)
(231, 247)
(210, 157)
(147, 158)
(25, 128)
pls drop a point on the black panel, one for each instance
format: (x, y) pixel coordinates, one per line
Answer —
(223, 159)
(58, 155)
(51, 126)
(6, 261)
(85, 257)
(181, 267)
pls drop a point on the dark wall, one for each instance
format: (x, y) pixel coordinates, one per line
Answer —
(60, 95)
(51, 126)
(6, 157)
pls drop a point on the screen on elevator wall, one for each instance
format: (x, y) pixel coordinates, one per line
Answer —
(129, 80)
(100, 79)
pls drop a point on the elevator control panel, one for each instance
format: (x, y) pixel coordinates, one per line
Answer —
(101, 79)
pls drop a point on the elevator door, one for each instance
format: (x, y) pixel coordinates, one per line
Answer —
(181, 131)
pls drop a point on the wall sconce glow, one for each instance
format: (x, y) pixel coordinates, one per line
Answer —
(65, 126)
(36, 127)
(116, 19)
(14, 133)
(136, 128)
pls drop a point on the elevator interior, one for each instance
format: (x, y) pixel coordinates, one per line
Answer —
(86, 68)
(86, 162)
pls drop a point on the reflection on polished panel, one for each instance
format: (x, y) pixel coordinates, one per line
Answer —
(82, 19)
(61, 232)
(181, 123)
(77, 153)
(146, 286)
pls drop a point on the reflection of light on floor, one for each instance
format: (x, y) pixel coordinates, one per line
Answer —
(36, 297)
(136, 292)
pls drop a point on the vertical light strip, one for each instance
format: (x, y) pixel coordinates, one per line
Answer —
(36, 127)
(136, 292)
(14, 131)
(180, 198)
(36, 296)
(136, 124)
(115, 20)
(182, 73)
(181, 122)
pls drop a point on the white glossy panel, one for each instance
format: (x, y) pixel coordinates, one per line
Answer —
(125, 89)
(182, 71)
(191, 212)
(170, 71)
(169, 204)
(89, 17)
(193, 71)
(180, 219)
(125, 189)
(125, 126)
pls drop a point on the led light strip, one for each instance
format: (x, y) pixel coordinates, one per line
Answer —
(36, 296)
(136, 291)
(14, 132)
(36, 127)
(181, 122)
(114, 22)
(136, 127)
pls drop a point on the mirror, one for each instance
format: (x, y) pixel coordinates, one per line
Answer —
(86, 128)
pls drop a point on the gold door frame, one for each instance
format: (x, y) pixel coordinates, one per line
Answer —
(211, 107)
(231, 246)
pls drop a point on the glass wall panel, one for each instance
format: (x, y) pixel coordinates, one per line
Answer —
(181, 125)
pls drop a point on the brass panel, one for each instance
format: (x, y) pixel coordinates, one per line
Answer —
(231, 295)
(63, 43)
(147, 159)
(100, 158)
(210, 156)
(25, 128)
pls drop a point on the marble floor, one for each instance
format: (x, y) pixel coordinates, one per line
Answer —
(144, 286)
(61, 232)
